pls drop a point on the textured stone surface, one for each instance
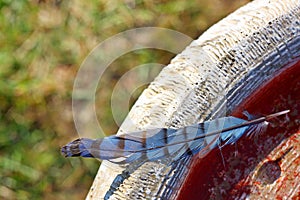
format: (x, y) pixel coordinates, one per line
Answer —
(207, 80)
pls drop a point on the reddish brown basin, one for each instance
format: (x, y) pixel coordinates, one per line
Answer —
(256, 166)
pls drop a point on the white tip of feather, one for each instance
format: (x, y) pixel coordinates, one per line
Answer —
(277, 114)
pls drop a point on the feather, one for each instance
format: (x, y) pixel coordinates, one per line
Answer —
(155, 144)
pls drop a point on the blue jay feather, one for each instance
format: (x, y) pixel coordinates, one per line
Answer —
(155, 144)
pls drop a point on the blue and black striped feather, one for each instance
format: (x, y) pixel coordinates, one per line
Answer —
(155, 144)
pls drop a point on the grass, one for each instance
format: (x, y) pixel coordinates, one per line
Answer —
(42, 45)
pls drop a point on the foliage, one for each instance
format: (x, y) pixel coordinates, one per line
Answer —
(42, 44)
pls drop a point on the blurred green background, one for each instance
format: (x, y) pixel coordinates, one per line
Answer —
(42, 44)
